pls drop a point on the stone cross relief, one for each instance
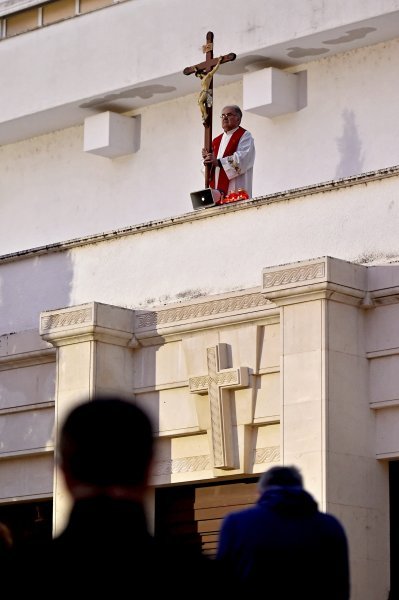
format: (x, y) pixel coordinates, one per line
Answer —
(217, 384)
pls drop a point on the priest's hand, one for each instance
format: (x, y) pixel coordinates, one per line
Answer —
(210, 159)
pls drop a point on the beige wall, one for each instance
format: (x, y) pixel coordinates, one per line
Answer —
(27, 393)
(301, 375)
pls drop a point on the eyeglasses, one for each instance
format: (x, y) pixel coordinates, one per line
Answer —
(227, 115)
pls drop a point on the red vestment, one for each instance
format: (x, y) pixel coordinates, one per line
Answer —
(223, 182)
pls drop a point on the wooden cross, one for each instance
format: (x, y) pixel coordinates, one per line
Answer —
(203, 69)
(217, 384)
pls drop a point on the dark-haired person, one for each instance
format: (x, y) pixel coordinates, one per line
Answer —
(105, 449)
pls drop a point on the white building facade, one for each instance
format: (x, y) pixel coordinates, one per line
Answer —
(257, 333)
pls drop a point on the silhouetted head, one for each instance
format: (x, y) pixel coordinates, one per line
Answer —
(281, 477)
(106, 442)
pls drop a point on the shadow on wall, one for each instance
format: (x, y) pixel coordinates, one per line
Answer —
(349, 147)
(30, 286)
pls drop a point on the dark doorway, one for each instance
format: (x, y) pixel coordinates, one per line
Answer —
(28, 522)
(192, 514)
(394, 527)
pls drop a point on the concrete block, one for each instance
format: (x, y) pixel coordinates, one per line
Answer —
(270, 92)
(111, 135)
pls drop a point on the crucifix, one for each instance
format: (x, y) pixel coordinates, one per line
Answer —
(205, 71)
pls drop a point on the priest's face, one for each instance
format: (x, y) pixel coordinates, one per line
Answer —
(230, 118)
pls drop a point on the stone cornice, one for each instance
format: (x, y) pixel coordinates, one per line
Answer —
(204, 462)
(27, 359)
(331, 279)
(130, 328)
(27, 407)
(88, 334)
(320, 278)
(219, 311)
(384, 297)
(323, 291)
(88, 322)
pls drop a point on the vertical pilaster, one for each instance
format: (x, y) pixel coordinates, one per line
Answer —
(303, 368)
(93, 357)
(328, 427)
(306, 293)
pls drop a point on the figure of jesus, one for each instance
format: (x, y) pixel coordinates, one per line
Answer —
(205, 96)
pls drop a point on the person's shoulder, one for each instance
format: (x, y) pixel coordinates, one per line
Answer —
(246, 133)
(246, 137)
(331, 523)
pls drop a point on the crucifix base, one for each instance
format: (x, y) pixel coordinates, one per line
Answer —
(205, 198)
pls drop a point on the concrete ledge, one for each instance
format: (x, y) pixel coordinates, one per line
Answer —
(284, 196)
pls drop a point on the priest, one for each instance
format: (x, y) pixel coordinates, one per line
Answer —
(233, 155)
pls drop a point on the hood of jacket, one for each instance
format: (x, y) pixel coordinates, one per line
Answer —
(294, 501)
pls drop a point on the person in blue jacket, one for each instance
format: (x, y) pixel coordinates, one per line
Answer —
(284, 546)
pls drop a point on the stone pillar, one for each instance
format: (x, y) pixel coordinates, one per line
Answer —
(310, 294)
(94, 356)
(328, 429)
